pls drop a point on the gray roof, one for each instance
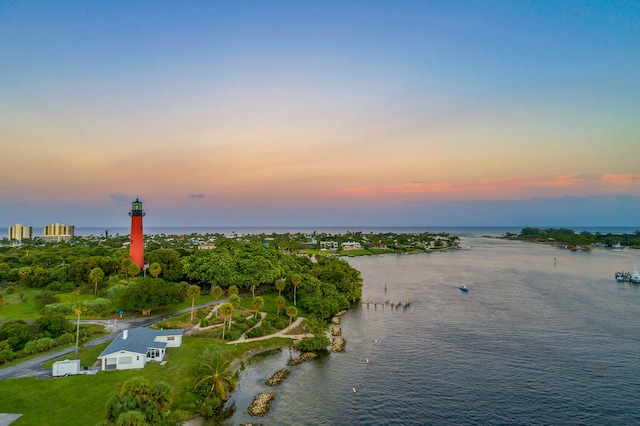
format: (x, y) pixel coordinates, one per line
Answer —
(139, 340)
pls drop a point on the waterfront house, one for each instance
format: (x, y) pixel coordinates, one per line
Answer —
(134, 348)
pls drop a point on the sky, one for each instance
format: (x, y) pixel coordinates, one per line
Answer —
(330, 113)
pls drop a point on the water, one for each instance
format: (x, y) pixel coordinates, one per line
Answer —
(533, 342)
(465, 231)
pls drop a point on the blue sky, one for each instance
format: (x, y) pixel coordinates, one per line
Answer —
(320, 113)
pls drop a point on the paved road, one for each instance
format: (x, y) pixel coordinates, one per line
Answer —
(33, 367)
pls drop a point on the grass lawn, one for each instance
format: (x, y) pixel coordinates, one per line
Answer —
(17, 307)
(81, 400)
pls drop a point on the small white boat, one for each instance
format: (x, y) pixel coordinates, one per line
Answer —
(619, 276)
(464, 288)
(635, 275)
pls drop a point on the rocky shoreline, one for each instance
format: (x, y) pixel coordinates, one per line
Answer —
(302, 358)
(337, 345)
(261, 404)
(278, 377)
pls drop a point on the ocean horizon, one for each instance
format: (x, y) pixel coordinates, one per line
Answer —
(463, 231)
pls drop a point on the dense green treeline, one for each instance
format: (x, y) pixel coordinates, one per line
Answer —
(583, 239)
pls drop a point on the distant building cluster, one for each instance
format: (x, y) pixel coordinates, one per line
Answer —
(53, 233)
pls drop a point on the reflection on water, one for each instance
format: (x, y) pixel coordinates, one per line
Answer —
(534, 341)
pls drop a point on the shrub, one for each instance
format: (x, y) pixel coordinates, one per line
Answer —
(232, 335)
(162, 325)
(40, 345)
(313, 344)
(57, 309)
(53, 326)
(60, 287)
(280, 323)
(6, 354)
(96, 306)
(256, 332)
(66, 339)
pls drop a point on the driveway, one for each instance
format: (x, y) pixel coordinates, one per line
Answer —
(33, 367)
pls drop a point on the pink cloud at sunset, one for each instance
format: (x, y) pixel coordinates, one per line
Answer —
(521, 187)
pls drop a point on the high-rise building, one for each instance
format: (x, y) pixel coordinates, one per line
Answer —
(19, 232)
(57, 232)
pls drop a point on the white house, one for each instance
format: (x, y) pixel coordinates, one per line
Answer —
(351, 245)
(329, 245)
(134, 348)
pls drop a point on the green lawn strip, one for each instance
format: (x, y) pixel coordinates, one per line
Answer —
(81, 400)
(168, 310)
(16, 307)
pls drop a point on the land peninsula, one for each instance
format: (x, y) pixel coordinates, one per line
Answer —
(219, 288)
(569, 239)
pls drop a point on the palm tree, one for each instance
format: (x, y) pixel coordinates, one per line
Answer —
(78, 310)
(226, 310)
(292, 311)
(155, 269)
(232, 290)
(216, 292)
(280, 302)
(258, 303)
(295, 280)
(214, 371)
(193, 291)
(280, 285)
(234, 299)
(96, 276)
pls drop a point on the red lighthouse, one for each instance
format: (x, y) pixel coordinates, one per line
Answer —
(136, 246)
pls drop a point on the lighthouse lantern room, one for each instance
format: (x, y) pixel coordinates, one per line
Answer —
(136, 246)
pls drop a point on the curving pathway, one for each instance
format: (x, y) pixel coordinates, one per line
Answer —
(281, 333)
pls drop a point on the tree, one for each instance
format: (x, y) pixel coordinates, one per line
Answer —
(193, 291)
(216, 292)
(280, 302)
(170, 263)
(155, 269)
(45, 298)
(226, 310)
(146, 294)
(53, 326)
(234, 299)
(96, 276)
(213, 372)
(78, 310)
(295, 280)
(280, 285)
(133, 269)
(292, 311)
(258, 303)
(137, 394)
(233, 290)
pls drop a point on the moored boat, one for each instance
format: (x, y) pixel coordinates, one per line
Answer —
(464, 288)
(635, 275)
(619, 276)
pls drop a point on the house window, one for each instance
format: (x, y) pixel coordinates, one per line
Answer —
(171, 337)
(138, 358)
